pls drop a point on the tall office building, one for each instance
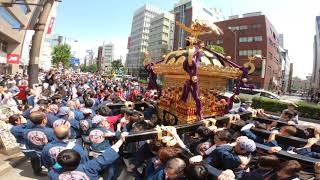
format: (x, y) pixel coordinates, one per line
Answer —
(138, 41)
(285, 64)
(100, 59)
(89, 59)
(161, 35)
(107, 55)
(316, 58)
(187, 11)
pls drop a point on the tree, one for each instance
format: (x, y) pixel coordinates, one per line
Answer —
(91, 68)
(61, 53)
(216, 48)
(116, 65)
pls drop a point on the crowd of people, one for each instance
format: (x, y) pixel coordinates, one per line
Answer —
(76, 126)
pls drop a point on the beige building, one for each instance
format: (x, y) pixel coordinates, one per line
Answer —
(14, 21)
(138, 40)
(161, 35)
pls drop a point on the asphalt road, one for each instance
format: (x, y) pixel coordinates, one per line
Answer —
(292, 98)
(23, 172)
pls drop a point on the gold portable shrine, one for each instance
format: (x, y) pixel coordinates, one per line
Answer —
(212, 76)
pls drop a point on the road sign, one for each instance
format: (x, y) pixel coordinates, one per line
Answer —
(74, 60)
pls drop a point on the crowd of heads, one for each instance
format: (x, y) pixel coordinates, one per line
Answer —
(80, 106)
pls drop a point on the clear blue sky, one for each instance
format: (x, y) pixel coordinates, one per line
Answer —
(95, 21)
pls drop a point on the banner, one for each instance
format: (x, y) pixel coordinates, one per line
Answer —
(13, 59)
(50, 25)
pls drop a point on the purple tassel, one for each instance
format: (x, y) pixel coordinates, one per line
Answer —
(152, 77)
(191, 86)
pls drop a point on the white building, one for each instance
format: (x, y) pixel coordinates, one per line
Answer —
(187, 11)
(138, 41)
(161, 35)
(316, 58)
(107, 55)
(285, 68)
(89, 59)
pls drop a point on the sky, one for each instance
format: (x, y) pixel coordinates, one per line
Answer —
(95, 22)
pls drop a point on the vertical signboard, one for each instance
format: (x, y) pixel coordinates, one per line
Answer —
(50, 25)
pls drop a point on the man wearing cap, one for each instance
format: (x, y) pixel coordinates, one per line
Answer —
(86, 125)
(108, 114)
(50, 151)
(74, 105)
(14, 88)
(51, 114)
(99, 133)
(32, 97)
(69, 166)
(42, 105)
(100, 138)
(289, 115)
(7, 96)
(66, 118)
(36, 138)
(231, 157)
(292, 108)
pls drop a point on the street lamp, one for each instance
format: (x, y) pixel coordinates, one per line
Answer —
(235, 42)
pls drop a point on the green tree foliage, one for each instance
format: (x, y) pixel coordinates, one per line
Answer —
(90, 68)
(216, 48)
(116, 65)
(61, 53)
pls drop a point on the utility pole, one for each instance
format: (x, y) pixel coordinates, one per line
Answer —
(33, 68)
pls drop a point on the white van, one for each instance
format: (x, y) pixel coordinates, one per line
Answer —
(251, 93)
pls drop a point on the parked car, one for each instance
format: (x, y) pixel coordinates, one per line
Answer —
(251, 93)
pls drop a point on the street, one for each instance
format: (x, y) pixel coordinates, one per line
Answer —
(291, 98)
(170, 89)
(22, 171)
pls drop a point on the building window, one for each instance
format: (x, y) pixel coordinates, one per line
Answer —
(270, 55)
(207, 11)
(188, 5)
(256, 26)
(250, 39)
(209, 43)
(3, 46)
(219, 41)
(243, 27)
(256, 52)
(24, 8)
(234, 28)
(243, 53)
(9, 18)
(243, 39)
(258, 38)
(250, 52)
